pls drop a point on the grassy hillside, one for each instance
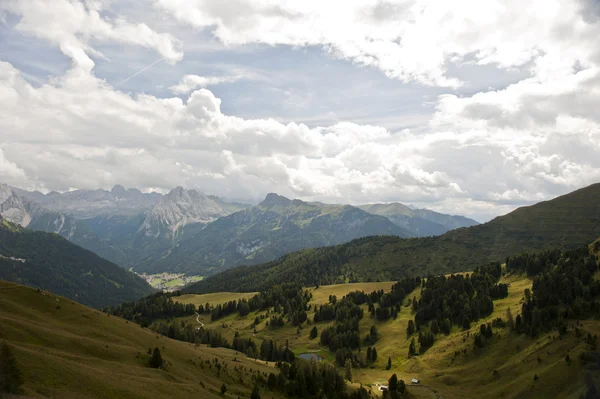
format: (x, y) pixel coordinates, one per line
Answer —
(50, 262)
(564, 222)
(265, 232)
(443, 374)
(66, 350)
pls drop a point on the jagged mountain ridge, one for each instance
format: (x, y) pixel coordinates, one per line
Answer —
(179, 208)
(264, 232)
(90, 203)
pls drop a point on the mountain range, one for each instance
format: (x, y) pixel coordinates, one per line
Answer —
(188, 231)
(267, 231)
(564, 222)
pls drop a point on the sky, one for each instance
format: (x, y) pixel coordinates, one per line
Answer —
(463, 107)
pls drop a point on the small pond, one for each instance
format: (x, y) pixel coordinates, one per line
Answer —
(309, 356)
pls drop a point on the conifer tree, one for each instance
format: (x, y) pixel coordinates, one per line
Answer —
(348, 366)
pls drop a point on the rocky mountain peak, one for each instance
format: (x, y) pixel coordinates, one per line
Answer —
(5, 192)
(273, 199)
(118, 191)
(179, 208)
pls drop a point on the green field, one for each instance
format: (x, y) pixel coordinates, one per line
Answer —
(470, 375)
(214, 298)
(66, 350)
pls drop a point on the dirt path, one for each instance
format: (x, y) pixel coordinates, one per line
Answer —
(198, 320)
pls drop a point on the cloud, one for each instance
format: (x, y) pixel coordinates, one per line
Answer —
(481, 154)
(191, 82)
(73, 25)
(410, 40)
(10, 172)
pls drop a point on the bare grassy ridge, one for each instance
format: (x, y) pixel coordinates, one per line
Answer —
(470, 375)
(67, 350)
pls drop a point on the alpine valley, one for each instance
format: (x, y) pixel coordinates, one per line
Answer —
(186, 231)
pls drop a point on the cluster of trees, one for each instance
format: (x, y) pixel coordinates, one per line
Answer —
(532, 264)
(563, 288)
(286, 298)
(457, 299)
(157, 306)
(396, 388)
(156, 360)
(390, 303)
(345, 333)
(269, 351)
(312, 379)
(485, 333)
(183, 331)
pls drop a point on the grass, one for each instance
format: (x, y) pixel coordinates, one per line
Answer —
(67, 350)
(214, 298)
(174, 283)
(468, 375)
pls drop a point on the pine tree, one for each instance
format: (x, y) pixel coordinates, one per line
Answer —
(412, 350)
(374, 354)
(348, 366)
(11, 378)
(156, 361)
(393, 383)
(434, 327)
(255, 393)
(313, 333)
(466, 322)
(410, 329)
(223, 389)
(509, 319)
(389, 365)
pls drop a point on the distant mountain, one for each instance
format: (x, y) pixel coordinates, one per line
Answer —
(121, 225)
(563, 223)
(274, 227)
(29, 213)
(50, 262)
(420, 222)
(90, 203)
(178, 209)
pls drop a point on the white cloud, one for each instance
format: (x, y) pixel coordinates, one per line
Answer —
(72, 25)
(412, 40)
(481, 154)
(191, 82)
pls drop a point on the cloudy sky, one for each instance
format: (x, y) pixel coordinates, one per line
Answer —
(469, 107)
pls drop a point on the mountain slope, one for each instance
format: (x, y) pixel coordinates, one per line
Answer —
(50, 262)
(26, 212)
(264, 232)
(564, 222)
(66, 350)
(421, 222)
